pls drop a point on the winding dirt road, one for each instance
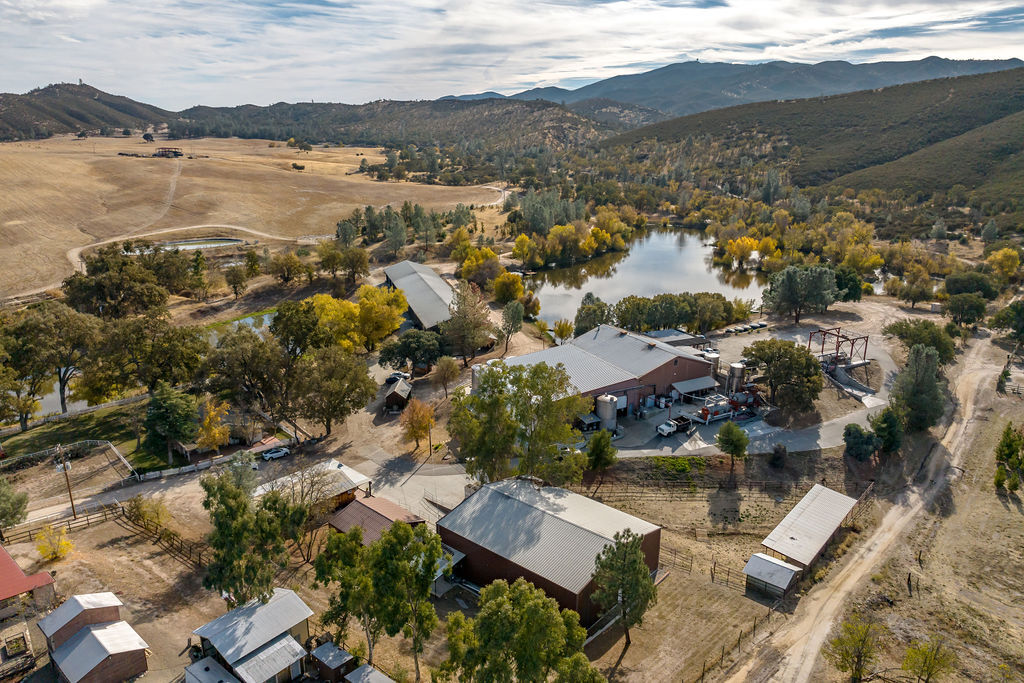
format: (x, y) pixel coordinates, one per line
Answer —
(801, 640)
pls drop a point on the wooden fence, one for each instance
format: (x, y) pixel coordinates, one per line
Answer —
(85, 521)
(763, 625)
(727, 576)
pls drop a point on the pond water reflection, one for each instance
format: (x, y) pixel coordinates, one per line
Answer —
(658, 261)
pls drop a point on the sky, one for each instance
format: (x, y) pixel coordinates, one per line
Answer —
(179, 53)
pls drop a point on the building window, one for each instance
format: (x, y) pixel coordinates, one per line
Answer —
(675, 361)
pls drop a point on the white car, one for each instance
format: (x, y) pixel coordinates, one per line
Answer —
(275, 453)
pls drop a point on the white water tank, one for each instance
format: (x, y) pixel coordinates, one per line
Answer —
(715, 358)
(606, 407)
(737, 374)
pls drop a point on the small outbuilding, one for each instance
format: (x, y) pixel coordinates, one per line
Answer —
(373, 515)
(332, 663)
(768, 575)
(88, 641)
(397, 396)
(16, 587)
(367, 674)
(334, 484)
(803, 534)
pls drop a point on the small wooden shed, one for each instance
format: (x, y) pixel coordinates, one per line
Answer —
(398, 395)
(332, 663)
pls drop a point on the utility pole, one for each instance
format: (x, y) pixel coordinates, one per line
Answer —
(64, 465)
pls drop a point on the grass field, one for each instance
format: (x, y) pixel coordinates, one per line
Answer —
(64, 193)
(106, 424)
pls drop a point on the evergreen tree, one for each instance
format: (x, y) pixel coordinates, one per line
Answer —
(623, 579)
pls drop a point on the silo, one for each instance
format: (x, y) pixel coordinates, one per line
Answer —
(606, 407)
(715, 358)
(737, 374)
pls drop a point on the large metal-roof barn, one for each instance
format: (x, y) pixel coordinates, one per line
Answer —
(429, 296)
(547, 535)
(803, 534)
(610, 360)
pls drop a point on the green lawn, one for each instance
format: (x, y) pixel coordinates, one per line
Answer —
(106, 424)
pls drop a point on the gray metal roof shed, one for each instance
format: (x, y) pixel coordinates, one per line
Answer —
(690, 386)
(247, 628)
(429, 296)
(88, 648)
(554, 533)
(367, 674)
(771, 571)
(72, 607)
(809, 526)
(332, 655)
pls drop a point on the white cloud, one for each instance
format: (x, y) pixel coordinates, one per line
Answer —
(177, 53)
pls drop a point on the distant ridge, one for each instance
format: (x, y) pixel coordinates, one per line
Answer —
(924, 136)
(69, 108)
(693, 87)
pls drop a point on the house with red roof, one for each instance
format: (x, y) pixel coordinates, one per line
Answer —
(16, 587)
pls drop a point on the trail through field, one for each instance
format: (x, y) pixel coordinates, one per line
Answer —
(172, 186)
(802, 639)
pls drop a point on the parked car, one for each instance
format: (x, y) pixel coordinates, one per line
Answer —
(395, 376)
(275, 453)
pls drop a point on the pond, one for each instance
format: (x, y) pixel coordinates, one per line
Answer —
(658, 261)
(201, 243)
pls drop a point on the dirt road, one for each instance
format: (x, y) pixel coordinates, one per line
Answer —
(801, 640)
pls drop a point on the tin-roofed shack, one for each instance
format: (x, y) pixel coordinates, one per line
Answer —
(429, 296)
(804, 533)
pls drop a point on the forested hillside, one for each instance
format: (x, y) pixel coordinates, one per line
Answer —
(494, 123)
(828, 137)
(69, 108)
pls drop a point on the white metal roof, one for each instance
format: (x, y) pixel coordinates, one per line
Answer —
(74, 606)
(549, 531)
(586, 371)
(429, 296)
(332, 655)
(810, 524)
(367, 674)
(85, 650)
(208, 670)
(342, 478)
(696, 384)
(634, 353)
(770, 570)
(264, 664)
(247, 628)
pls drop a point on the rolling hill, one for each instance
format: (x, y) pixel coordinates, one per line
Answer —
(692, 87)
(68, 108)
(842, 134)
(502, 123)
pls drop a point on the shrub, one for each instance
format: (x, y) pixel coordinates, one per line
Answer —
(1000, 480)
(151, 510)
(298, 167)
(53, 544)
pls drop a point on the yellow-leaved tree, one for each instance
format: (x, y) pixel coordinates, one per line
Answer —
(417, 420)
(213, 432)
(340, 318)
(53, 544)
(380, 314)
(1004, 263)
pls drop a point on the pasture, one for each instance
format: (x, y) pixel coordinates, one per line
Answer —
(65, 193)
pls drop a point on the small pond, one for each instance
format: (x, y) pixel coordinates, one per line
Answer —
(201, 243)
(658, 261)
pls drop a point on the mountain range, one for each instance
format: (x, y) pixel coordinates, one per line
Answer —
(693, 87)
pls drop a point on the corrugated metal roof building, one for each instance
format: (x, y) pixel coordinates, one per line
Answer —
(803, 534)
(769, 575)
(101, 653)
(429, 296)
(373, 515)
(547, 535)
(333, 482)
(610, 360)
(259, 641)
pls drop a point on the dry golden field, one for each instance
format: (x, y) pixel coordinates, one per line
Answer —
(63, 194)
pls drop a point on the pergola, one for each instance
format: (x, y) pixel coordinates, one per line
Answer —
(833, 341)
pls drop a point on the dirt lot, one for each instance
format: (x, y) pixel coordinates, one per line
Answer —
(97, 471)
(65, 193)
